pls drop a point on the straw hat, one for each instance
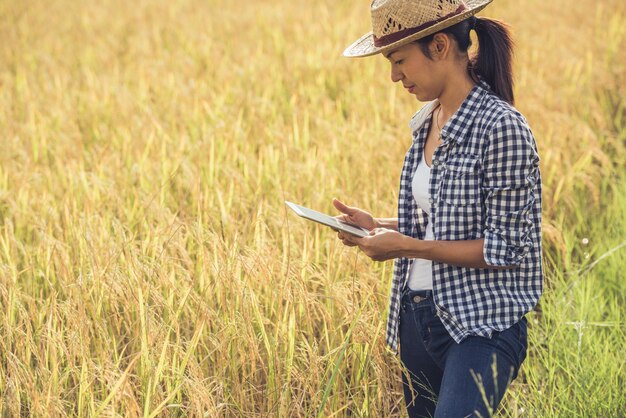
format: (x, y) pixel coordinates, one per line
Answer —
(398, 22)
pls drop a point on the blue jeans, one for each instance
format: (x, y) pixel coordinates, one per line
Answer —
(449, 379)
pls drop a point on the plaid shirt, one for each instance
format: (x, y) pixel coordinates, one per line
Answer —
(485, 183)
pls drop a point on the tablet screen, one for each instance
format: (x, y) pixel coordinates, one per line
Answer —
(327, 220)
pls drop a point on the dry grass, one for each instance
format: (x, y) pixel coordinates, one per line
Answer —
(148, 265)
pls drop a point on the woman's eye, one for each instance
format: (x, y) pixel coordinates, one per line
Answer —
(399, 62)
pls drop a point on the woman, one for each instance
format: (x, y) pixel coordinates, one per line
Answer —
(467, 240)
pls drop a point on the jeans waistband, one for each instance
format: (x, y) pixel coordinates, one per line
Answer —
(408, 294)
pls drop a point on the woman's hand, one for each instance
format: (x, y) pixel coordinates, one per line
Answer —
(354, 216)
(381, 244)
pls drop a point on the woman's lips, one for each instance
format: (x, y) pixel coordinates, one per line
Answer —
(410, 88)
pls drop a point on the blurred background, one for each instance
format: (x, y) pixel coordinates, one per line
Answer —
(148, 265)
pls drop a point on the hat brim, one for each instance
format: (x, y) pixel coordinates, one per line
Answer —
(364, 46)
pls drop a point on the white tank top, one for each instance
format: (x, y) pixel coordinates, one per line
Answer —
(421, 273)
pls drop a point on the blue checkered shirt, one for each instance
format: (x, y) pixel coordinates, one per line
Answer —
(485, 183)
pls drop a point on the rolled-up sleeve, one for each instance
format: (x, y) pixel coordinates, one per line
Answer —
(510, 179)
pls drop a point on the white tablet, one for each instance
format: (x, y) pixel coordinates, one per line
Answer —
(327, 220)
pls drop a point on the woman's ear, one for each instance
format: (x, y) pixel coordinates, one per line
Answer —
(440, 46)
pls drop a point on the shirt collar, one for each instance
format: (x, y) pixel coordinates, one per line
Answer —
(457, 126)
(420, 118)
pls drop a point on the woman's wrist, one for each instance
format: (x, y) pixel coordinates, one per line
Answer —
(388, 223)
(413, 247)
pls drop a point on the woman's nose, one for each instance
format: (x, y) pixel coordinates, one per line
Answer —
(396, 75)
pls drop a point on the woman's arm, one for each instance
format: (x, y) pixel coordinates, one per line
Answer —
(511, 188)
(468, 253)
(384, 244)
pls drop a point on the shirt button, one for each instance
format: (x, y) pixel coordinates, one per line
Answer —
(435, 162)
(431, 200)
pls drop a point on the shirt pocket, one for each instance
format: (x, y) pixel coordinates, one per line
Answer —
(461, 181)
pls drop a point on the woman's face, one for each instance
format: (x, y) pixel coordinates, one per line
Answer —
(416, 71)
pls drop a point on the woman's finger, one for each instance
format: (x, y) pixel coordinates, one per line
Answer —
(340, 206)
(345, 240)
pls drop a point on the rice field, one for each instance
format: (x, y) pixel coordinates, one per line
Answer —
(148, 265)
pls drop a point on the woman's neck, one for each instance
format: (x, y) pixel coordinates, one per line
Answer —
(453, 95)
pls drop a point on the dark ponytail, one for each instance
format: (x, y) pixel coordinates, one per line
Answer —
(493, 60)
